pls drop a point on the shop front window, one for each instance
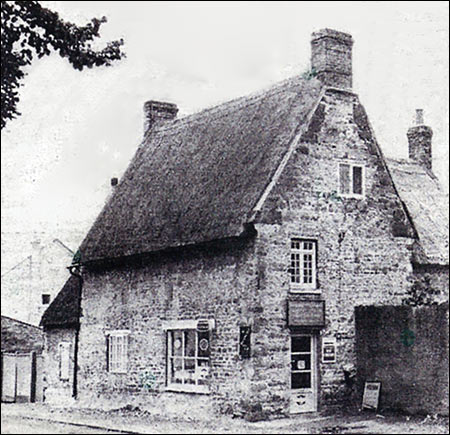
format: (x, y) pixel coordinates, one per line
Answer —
(188, 359)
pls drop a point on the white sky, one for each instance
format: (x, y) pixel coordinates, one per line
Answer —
(77, 130)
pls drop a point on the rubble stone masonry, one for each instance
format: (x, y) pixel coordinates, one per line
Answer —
(364, 257)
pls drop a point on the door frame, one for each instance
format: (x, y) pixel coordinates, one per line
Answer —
(314, 367)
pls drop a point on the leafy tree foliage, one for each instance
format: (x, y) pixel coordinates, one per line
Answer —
(422, 292)
(29, 30)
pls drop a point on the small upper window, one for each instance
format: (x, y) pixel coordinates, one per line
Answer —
(45, 299)
(303, 264)
(351, 180)
(117, 351)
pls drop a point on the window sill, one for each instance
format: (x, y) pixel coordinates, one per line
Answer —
(350, 196)
(297, 290)
(196, 389)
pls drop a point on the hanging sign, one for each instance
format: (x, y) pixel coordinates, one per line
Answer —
(371, 395)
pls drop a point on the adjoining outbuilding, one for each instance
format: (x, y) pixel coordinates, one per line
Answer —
(21, 361)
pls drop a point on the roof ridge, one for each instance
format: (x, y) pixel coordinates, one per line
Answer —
(232, 105)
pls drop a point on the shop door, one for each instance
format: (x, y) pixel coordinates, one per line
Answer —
(303, 374)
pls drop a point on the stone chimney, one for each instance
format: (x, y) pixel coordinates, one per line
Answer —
(331, 58)
(156, 112)
(419, 141)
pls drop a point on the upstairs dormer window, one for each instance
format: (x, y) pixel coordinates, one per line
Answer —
(351, 180)
(303, 265)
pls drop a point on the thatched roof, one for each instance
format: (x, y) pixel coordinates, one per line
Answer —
(63, 311)
(427, 204)
(198, 178)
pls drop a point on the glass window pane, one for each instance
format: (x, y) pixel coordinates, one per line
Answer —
(357, 180)
(177, 343)
(189, 371)
(300, 380)
(344, 178)
(176, 372)
(189, 343)
(202, 371)
(301, 344)
(307, 246)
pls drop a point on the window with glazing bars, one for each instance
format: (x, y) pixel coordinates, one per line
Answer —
(351, 180)
(188, 358)
(303, 263)
(117, 352)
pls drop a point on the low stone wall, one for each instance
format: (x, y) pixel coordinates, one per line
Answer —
(406, 348)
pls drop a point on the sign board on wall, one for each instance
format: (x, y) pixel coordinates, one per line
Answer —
(306, 313)
(371, 395)
(328, 350)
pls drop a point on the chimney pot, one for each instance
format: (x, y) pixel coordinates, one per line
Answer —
(157, 112)
(419, 117)
(419, 142)
(331, 57)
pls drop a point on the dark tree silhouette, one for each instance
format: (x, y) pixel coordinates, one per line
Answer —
(29, 30)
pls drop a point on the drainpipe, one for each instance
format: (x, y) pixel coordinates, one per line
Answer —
(75, 270)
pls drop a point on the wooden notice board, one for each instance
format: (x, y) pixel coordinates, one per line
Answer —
(371, 395)
(306, 313)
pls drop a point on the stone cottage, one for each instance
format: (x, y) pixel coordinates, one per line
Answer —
(224, 270)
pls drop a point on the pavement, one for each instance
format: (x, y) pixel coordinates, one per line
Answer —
(42, 419)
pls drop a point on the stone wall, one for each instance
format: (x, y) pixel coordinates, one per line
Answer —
(193, 284)
(360, 261)
(406, 348)
(364, 253)
(57, 390)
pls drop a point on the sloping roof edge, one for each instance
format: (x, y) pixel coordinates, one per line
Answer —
(386, 168)
(292, 146)
(63, 312)
(22, 322)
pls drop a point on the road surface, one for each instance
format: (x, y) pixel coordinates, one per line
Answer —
(16, 425)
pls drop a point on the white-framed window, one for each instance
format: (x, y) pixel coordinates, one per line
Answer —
(303, 264)
(351, 180)
(117, 351)
(188, 359)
